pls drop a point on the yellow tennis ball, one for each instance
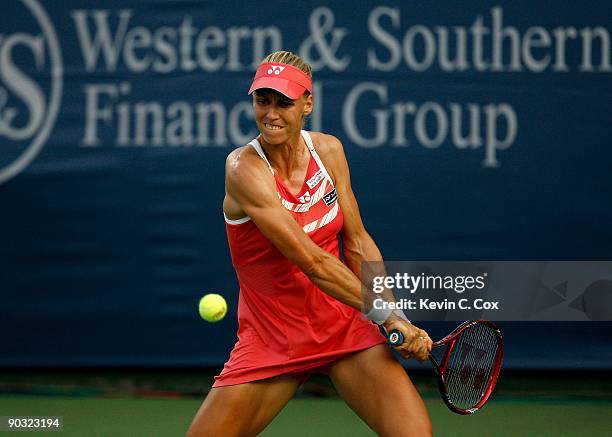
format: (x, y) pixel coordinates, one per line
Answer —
(212, 307)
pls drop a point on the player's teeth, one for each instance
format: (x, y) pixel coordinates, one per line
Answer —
(270, 126)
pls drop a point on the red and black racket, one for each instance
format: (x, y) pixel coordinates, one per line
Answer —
(468, 370)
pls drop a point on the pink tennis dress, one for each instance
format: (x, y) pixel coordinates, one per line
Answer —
(286, 324)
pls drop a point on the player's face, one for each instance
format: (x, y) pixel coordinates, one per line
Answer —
(279, 118)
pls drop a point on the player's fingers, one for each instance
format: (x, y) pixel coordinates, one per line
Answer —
(407, 349)
(406, 353)
(426, 340)
(416, 344)
(416, 350)
(422, 353)
(423, 347)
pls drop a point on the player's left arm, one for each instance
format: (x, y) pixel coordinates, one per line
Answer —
(359, 247)
(357, 244)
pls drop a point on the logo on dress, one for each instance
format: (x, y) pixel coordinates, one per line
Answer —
(276, 69)
(305, 198)
(330, 197)
(315, 179)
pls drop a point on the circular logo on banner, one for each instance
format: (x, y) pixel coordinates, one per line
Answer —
(30, 89)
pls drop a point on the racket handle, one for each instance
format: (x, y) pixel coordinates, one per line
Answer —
(395, 338)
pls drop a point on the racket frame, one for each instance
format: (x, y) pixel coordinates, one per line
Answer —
(440, 368)
(396, 338)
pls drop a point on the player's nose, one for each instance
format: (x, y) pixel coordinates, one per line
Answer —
(272, 112)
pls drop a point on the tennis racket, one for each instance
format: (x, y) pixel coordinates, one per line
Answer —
(469, 367)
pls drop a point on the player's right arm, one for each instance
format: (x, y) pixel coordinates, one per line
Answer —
(251, 189)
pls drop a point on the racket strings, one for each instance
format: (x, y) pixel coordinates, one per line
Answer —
(470, 366)
(482, 364)
(460, 371)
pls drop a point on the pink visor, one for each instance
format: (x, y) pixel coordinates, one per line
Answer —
(284, 78)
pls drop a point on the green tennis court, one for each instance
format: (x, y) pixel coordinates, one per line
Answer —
(314, 417)
(133, 405)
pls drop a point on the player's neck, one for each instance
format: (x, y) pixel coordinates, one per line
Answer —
(286, 157)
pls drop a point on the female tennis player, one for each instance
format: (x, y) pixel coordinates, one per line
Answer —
(288, 199)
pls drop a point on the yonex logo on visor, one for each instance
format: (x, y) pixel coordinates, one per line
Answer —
(284, 78)
(276, 69)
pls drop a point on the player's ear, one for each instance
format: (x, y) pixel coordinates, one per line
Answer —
(309, 105)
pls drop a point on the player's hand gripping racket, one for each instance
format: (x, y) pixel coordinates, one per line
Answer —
(470, 365)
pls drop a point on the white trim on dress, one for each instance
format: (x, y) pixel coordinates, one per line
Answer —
(237, 221)
(288, 205)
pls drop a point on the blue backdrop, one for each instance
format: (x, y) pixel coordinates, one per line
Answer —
(474, 131)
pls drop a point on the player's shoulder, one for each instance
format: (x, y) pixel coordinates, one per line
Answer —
(243, 164)
(328, 146)
(247, 176)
